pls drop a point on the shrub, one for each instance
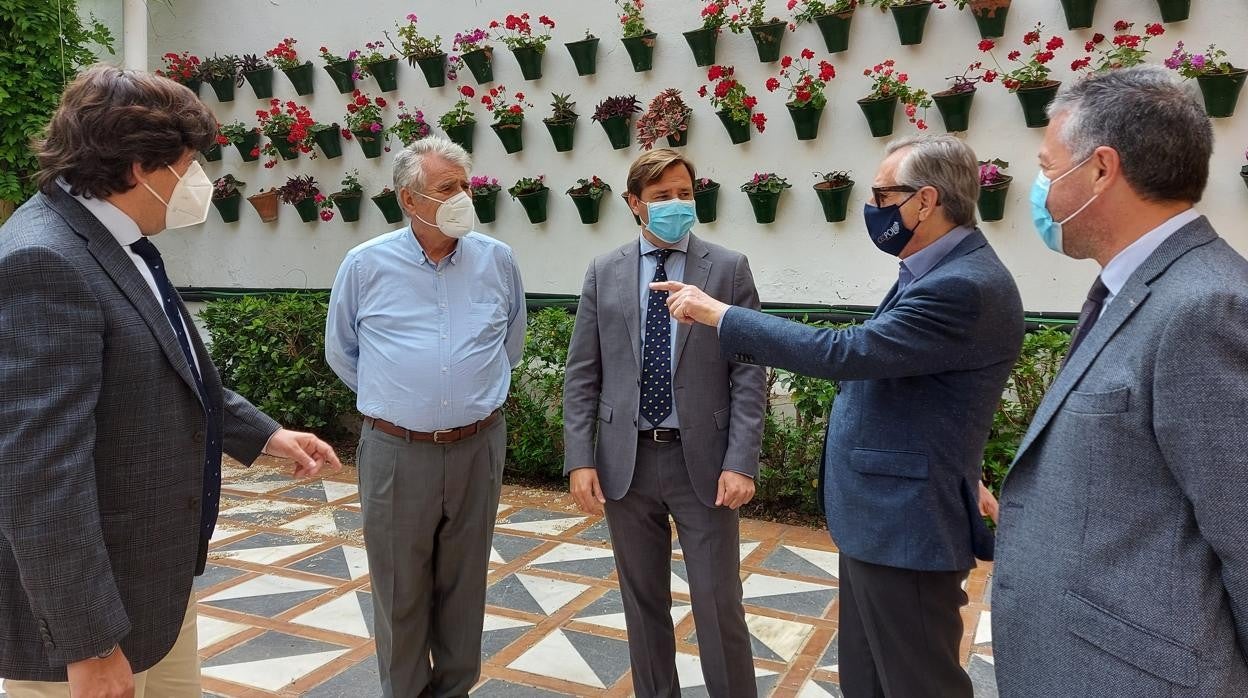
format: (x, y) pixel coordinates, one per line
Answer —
(534, 407)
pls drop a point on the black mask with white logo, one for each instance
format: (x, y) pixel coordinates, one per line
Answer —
(886, 229)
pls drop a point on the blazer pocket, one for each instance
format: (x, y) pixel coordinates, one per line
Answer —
(723, 418)
(1134, 644)
(1111, 402)
(604, 411)
(906, 464)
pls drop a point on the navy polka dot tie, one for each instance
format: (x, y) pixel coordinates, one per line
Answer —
(656, 358)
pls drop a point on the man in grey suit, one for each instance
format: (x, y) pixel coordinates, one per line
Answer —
(656, 423)
(920, 382)
(1123, 548)
(114, 417)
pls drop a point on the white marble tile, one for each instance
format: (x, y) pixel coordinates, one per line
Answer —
(262, 487)
(813, 690)
(263, 586)
(679, 585)
(213, 630)
(983, 631)
(616, 620)
(986, 657)
(339, 490)
(569, 552)
(827, 561)
(264, 506)
(320, 523)
(493, 622)
(760, 585)
(265, 556)
(342, 615)
(783, 637)
(272, 674)
(222, 532)
(554, 656)
(747, 548)
(550, 594)
(689, 671)
(357, 561)
(548, 527)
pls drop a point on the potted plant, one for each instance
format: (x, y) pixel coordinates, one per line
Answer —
(348, 198)
(806, 98)
(258, 73)
(459, 122)
(245, 138)
(993, 187)
(363, 122)
(213, 152)
(471, 49)
(1243, 171)
(303, 193)
(222, 73)
(733, 104)
(705, 199)
(562, 122)
(910, 17)
(831, 16)
(421, 51)
(989, 16)
(371, 61)
(288, 127)
(888, 87)
(341, 70)
(638, 40)
(666, 117)
(1078, 13)
(182, 68)
(702, 40)
(954, 103)
(508, 117)
(527, 47)
(298, 71)
(328, 137)
(409, 126)
(833, 190)
(532, 193)
(227, 194)
(587, 195)
(1030, 80)
(767, 33)
(764, 193)
(388, 203)
(614, 114)
(1126, 49)
(1220, 82)
(485, 197)
(584, 54)
(1174, 10)
(265, 202)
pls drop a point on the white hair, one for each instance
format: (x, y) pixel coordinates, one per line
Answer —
(409, 163)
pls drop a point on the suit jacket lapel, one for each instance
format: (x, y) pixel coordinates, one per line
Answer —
(628, 278)
(697, 271)
(118, 265)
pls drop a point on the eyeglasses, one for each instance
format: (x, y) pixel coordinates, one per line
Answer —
(878, 193)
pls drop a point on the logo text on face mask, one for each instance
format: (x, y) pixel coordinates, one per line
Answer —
(893, 231)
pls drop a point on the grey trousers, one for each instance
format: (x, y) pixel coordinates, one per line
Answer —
(429, 515)
(710, 541)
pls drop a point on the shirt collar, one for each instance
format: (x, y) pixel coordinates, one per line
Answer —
(1124, 264)
(647, 247)
(422, 258)
(927, 258)
(121, 226)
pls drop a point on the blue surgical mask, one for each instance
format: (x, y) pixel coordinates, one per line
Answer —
(1050, 231)
(671, 220)
(886, 228)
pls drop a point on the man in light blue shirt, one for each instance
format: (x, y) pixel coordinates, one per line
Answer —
(425, 324)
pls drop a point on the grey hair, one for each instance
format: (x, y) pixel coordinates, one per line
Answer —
(943, 162)
(1156, 124)
(409, 163)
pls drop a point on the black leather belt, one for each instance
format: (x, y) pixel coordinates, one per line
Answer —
(660, 436)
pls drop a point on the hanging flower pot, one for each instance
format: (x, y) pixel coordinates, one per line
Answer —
(805, 121)
(737, 132)
(835, 30)
(511, 136)
(530, 60)
(462, 134)
(702, 42)
(193, 85)
(224, 89)
(434, 68)
(288, 150)
(880, 114)
(387, 74)
(307, 210)
(1079, 13)
(955, 108)
(678, 139)
(587, 206)
(767, 38)
(261, 82)
(247, 146)
(480, 63)
(834, 200)
(1035, 101)
(706, 203)
(370, 142)
(641, 51)
(1221, 91)
(343, 75)
(992, 199)
(213, 153)
(990, 17)
(266, 204)
(301, 78)
(619, 131)
(562, 132)
(1174, 10)
(348, 205)
(388, 203)
(486, 206)
(584, 55)
(329, 139)
(764, 204)
(228, 207)
(911, 20)
(1243, 173)
(535, 204)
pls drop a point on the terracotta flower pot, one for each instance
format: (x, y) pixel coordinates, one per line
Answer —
(265, 203)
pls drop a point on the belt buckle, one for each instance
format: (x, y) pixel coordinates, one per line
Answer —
(441, 431)
(655, 435)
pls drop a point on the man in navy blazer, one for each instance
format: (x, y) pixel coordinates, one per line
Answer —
(920, 382)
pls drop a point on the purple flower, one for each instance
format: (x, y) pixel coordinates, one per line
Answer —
(1198, 61)
(353, 55)
(1173, 63)
(375, 127)
(411, 18)
(355, 75)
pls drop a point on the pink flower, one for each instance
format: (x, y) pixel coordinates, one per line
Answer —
(375, 127)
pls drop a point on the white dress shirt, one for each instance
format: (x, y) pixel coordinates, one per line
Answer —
(1124, 264)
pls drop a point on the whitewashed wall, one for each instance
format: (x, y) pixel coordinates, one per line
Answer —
(798, 258)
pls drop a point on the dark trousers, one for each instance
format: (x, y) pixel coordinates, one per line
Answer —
(899, 632)
(710, 542)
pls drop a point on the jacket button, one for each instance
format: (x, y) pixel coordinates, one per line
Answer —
(198, 437)
(192, 503)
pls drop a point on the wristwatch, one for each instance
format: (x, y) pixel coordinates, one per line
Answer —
(107, 653)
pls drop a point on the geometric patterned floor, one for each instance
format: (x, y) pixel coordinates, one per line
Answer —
(284, 605)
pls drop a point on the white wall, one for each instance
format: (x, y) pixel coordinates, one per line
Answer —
(799, 258)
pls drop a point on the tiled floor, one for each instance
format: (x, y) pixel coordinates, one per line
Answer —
(285, 610)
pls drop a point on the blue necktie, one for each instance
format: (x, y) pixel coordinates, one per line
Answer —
(212, 447)
(656, 357)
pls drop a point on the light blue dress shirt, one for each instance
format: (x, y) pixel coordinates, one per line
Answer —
(916, 265)
(1124, 264)
(426, 346)
(675, 268)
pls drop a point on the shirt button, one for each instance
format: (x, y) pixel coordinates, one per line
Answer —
(444, 403)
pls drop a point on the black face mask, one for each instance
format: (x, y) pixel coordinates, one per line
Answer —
(886, 228)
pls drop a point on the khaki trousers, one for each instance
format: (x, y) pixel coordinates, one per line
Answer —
(175, 676)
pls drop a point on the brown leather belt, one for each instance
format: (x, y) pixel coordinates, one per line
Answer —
(441, 436)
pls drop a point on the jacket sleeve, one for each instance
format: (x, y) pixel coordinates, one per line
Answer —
(582, 382)
(748, 388)
(51, 348)
(247, 429)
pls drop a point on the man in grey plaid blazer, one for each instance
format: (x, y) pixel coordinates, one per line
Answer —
(114, 418)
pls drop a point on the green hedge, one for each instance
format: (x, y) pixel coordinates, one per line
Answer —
(271, 349)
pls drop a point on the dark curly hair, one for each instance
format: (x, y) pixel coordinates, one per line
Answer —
(110, 118)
